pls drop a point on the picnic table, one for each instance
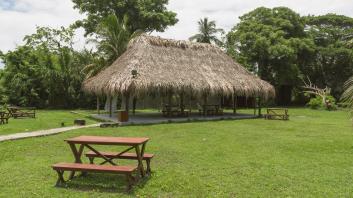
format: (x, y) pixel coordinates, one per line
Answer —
(277, 113)
(171, 111)
(211, 109)
(22, 112)
(77, 145)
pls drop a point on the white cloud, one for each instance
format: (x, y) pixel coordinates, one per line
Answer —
(20, 17)
(226, 12)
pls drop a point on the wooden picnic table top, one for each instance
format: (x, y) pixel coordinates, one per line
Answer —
(277, 108)
(101, 140)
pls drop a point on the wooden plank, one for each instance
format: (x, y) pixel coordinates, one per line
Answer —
(93, 168)
(102, 140)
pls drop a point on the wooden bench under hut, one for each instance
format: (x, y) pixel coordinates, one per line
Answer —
(277, 114)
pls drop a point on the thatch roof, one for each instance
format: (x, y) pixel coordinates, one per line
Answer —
(164, 64)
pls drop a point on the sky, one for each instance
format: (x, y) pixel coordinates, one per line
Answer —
(20, 17)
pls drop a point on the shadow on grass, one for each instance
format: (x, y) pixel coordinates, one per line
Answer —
(107, 183)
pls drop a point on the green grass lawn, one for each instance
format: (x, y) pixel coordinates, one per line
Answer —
(45, 119)
(309, 156)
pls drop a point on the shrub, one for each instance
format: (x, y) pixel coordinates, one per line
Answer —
(317, 103)
(330, 103)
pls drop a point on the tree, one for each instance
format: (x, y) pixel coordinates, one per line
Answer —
(271, 43)
(332, 35)
(145, 15)
(46, 71)
(207, 32)
(112, 38)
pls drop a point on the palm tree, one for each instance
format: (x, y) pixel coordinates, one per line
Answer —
(347, 96)
(94, 63)
(112, 38)
(207, 32)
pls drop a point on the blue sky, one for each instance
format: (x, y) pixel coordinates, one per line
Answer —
(20, 17)
(7, 4)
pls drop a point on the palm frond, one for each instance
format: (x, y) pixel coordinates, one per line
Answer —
(347, 96)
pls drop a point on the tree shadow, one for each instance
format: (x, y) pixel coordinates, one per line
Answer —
(107, 183)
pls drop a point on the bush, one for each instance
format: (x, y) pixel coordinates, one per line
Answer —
(330, 103)
(317, 103)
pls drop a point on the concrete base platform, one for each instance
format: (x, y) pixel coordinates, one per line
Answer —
(157, 118)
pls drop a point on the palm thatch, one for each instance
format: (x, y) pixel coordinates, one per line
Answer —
(165, 64)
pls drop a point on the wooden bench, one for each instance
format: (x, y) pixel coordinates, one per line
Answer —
(19, 112)
(60, 168)
(115, 155)
(277, 113)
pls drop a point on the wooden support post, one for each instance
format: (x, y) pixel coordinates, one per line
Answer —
(127, 98)
(134, 101)
(259, 105)
(170, 97)
(234, 104)
(110, 106)
(255, 106)
(182, 101)
(204, 106)
(98, 105)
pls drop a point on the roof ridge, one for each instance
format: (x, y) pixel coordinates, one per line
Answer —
(163, 42)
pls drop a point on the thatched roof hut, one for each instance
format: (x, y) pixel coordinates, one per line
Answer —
(165, 64)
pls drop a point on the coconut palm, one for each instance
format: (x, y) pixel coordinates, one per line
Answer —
(347, 96)
(112, 38)
(207, 32)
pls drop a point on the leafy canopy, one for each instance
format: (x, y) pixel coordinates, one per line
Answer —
(146, 15)
(268, 42)
(333, 63)
(111, 39)
(46, 71)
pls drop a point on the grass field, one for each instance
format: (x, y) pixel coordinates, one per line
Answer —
(309, 156)
(45, 119)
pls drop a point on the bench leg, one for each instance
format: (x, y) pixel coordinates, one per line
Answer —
(130, 181)
(91, 160)
(60, 180)
(148, 164)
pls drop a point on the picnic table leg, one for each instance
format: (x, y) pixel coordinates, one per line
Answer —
(60, 178)
(77, 155)
(139, 158)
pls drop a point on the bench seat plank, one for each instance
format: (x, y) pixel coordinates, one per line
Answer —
(93, 168)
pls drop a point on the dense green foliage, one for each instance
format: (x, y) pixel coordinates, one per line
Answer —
(111, 38)
(145, 15)
(45, 72)
(277, 44)
(242, 158)
(207, 32)
(317, 103)
(282, 47)
(333, 63)
(48, 72)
